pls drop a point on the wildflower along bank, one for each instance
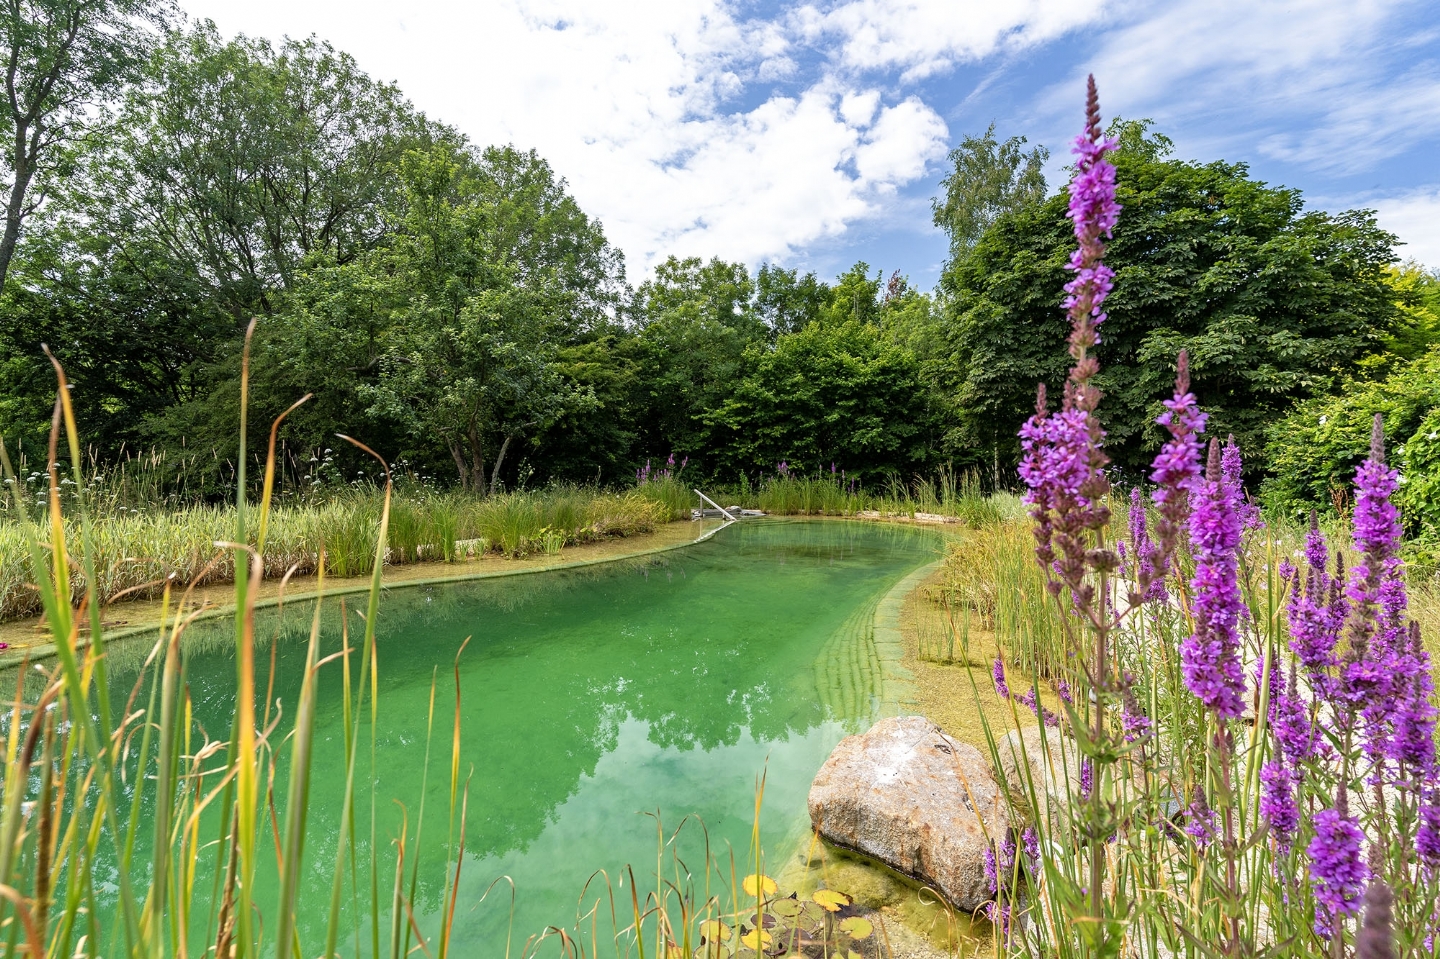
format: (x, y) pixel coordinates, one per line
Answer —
(1242, 759)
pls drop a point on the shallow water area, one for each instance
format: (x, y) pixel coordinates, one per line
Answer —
(588, 697)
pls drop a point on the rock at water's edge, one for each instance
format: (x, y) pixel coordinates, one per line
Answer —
(915, 799)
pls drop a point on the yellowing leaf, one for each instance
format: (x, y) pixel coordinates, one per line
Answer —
(673, 951)
(852, 954)
(857, 927)
(713, 930)
(757, 939)
(758, 885)
(830, 900)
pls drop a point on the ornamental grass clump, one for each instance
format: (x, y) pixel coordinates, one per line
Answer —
(1255, 731)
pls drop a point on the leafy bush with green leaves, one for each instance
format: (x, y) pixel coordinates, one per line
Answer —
(1314, 450)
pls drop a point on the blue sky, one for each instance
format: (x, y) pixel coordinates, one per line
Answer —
(814, 134)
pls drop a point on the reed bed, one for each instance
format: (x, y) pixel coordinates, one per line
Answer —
(86, 766)
(136, 552)
(957, 496)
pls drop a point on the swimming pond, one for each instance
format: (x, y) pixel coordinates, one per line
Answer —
(588, 697)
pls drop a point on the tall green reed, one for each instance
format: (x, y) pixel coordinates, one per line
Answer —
(84, 775)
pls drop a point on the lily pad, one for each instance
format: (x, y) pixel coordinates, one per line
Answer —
(713, 930)
(757, 939)
(759, 885)
(830, 900)
(857, 927)
(787, 908)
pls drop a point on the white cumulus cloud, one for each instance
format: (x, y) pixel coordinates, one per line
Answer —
(1414, 217)
(686, 126)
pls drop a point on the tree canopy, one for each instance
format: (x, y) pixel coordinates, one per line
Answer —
(454, 306)
(1272, 302)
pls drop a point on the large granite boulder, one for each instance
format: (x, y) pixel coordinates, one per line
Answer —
(915, 799)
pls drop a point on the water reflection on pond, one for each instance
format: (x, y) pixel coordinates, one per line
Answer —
(587, 696)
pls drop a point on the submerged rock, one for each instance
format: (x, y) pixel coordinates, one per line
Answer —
(915, 799)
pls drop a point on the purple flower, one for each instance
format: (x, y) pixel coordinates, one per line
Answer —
(1031, 700)
(998, 671)
(1094, 212)
(1427, 837)
(1133, 720)
(1200, 822)
(1149, 580)
(1176, 469)
(1412, 746)
(1062, 462)
(992, 870)
(1231, 468)
(1277, 801)
(1317, 612)
(1210, 657)
(1062, 689)
(1290, 722)
(1087, 779)
(1058, 463)
(1337, 869)
(999, 915)
(1030, 840)
(1377, 666)
(1377, 538)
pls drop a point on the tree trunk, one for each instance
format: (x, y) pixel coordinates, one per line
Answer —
(23, 163)
(477, 461)
(499, 458)
(461, 466)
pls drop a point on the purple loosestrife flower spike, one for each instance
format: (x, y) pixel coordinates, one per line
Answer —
(1376, 525)
(1289, 721)
(1210, 657)
(1087, 778)
(1149, 580)
(1376, 939)
(1427, 837)
(1094, 212)
(1062, 462)
(1413, 745)
(1030, 840)
(1337, 868)
(1278, 803)
(1176, 470)
(1232, 468)
(1200, 825)
(998, 671)
(1314, 627)
(1132, 718)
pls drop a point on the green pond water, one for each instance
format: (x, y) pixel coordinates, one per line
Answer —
(589, 696)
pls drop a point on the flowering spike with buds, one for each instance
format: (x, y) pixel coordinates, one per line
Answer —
(1337, 869)
(1376, 939)
(1210, 657)
(1176, 470)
